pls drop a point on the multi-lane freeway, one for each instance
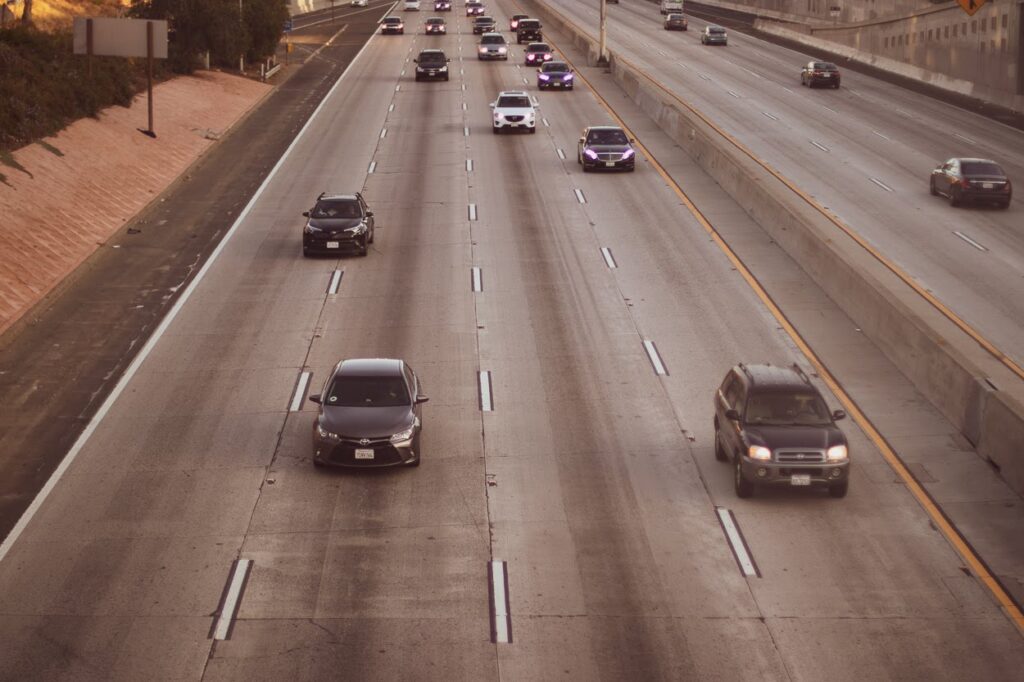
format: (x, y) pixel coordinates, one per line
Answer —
(569, 519)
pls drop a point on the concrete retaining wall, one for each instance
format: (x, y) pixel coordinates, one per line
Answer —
(944, 364)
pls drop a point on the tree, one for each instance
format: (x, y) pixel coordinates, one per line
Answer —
(26, 13)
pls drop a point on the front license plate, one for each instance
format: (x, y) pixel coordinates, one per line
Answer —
(364, 454)
(333, 245)
(987, 185)
(800, 479)
(609, 164)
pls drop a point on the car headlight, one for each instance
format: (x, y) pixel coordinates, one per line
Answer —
(502, 50)
(358, 229)
(497, 116)
(309, 229)
(590, 154)
(567, 77)
(628, 153)
(483, 50)
(327, 435)
(836, 453)
(404, 435)
(543, 77)
(759, 452)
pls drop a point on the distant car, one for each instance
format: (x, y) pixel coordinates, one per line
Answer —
(605, 148)
(514, 21)
(435, 26)
(474, 8)
(964, 180)
(411, 5)
(513, 110)
(676, 22)
(369, 416)
(528, 30)
(774, 427)
(337, 223)
(555, 75)
(536, 54)
(492, 46)
(820, 73)
(392, 25)
(483, 25)
(431, 65)
(359, 3)
(714, 35)
(442, 5)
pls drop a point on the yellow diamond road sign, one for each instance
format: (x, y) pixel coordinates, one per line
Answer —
(971, 6)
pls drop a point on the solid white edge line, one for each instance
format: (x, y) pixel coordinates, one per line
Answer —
(147, 348)
(501, 610)
(579, 196)
(739, 547)
(881, 184)
(477, 279)
(486, 401)
(609, 259)
(655, 358)
(979, 246)
(231, 599)
(300, 391)
(332, 288)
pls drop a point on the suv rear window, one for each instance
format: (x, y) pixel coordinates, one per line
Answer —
(515, 101)
(528, 23)
(789, 409)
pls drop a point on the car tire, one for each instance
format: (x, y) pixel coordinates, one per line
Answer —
(839, 490)
(719, 450)
(744, 487)
(364, 250)
(931, 187)
(1004, 205)
(495, 129)
(418, 79)
(414, 464)
(836, 86)
(533, 131)
(954, 198)
(370, 240)
(318, 464)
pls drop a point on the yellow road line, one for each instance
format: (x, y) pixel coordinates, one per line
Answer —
(949, 531)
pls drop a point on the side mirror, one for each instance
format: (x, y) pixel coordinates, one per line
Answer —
(305, 214)
(492, 104)
(315, 398)
(632, 141)
(369, 214)
(838, 414)
(448, 60)
(582, 140)
(421, 399)
(732, 415)
(416, 60)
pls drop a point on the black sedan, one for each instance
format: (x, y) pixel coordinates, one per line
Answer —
(555, 76)
(963, 180)
(676, 22)
(338, 222)
(537, 53)
(442, 6)
(483, 25)
(369, 415)
(605, 147)
(435, 26)
(820, 73)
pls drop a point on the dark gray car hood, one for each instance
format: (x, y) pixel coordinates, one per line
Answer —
(811, 437)
(608, 148)
(334, 223)
(366, 422)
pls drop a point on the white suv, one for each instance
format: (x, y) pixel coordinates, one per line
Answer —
(514, 109)
(412, 5)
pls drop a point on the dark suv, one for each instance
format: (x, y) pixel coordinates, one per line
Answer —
(775, 428)
(432, 65)
(528, 31)
(338, 222)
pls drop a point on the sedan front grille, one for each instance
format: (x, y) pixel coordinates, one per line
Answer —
(800, 456)
(609, 156)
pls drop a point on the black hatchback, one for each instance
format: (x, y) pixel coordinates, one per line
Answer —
(962, 180)
(336, 223)
(369, 415)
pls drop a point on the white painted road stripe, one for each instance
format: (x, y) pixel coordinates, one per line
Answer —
(684, 66)
(881, 135)
(501, 612)
(486, 396)
(819, 146)
(545, 122)
(472, 211)
(704, 76)
(398, 88)
(463, 87)
(965, 139)
(391, 107)
(231, 599)
(372, 168)
(161, 329)
(383, 133)
(526, 82)
(881, 184)
(332, 288)
(579, 196)
(465, 132)
(737, 543)
(786, 89)
(477, 279)
(733, 94)
(609, 259)
(979, 247)
(774, 118)
(469, 165)
(464, 106)
(300, 392)
(561, 154)
(652, 355)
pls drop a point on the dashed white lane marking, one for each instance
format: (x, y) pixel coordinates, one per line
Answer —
(881, 135)
(231, 599)
(526, 82)
(978, 246)
(774, 118)
(733, 94)
(486, 394)
(464, 106)
(561, 154)
(501, 616)
(469, 165)
(462, 72)
(403, 72)
(372, 168)
(465, 132)
(662, 53)
(477, 279)
(685, 66)
(737, 543)
(383, 133)
(655, 358)
(398, 87)
(819, 146)
(752, 73)
(300, 392)
(579, 195)
(391, 107)
(881, 184)
(472, 211)
(830, 109)
(463, 87)
(965, 139)
(704, 76)
(545, 122)
(332, 286)
(609, 259)
(907, 114)
(786, 89)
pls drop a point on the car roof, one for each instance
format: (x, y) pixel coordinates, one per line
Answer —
(604, 128)
(392, 19)
(772, 377)
(538, 45)
(369, 367)
(491, 34)
(336, 197)
(432, 50)
(961, 159)
(513, 93)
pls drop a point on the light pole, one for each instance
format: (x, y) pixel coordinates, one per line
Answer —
(602, 48)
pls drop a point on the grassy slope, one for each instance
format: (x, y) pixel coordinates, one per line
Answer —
(57, 14)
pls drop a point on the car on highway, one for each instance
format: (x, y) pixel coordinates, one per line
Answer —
(528, 30)
(972, 180)
(393, 25)
(676, 22)
(360, 3)
(474, 8)
(605, 148)
(411, 6)
(431, 65)
(338, 223)
(820, 73)
(714, 35)
(442, 5)
(369, 415)
(513, 110)
(774, 427)
(483, 25)
(435, 26)
(514, 21)
(555, 76)
(537, 53)
(492, 46)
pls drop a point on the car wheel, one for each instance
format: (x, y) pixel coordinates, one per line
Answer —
(744, 487)
(318, 464)
(414, 464)
(533, 131)
(954, 197)
(418, 79)
(931, 187)
(1005, 205)
(719, 450)
(364, 250)
(836, 86)
(839, 490)
(495, 129)
(370, 240)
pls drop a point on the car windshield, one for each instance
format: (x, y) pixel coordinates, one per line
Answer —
(980, 168)
(492, 40)
(367, 392)
(392, 20)
(797, 409)
(336, 208)
(675, 17)
(537, 47)
(514, 102)
(431, 58)
(557, 67)
(824, 66)
(607, 137)
(528, 23)
(435, 21)
(484, 20)
(716, 31)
